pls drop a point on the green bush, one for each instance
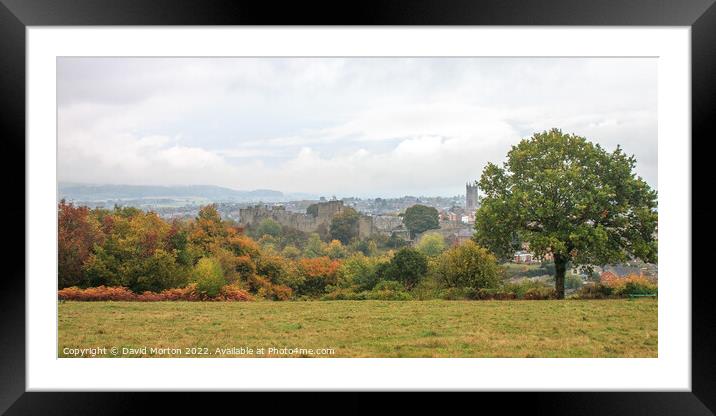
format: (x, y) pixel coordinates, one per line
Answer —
(339, 293)
(540, 293)
(595, 291)
(638, 288)
(388, 290)
(389, 285)
(468, 265)
(428, 288)
(209, 277)
(388, 295)
(159, 272)
(521, 287)
(460, 293)
(358, 271)
(408, 267)
(495, 294)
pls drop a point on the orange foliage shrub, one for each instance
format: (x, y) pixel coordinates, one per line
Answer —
(630, 284)
(265, 289)
(243, 245)
(317, 273)
(180, 293)
(118, 293)
(233, 293)
(320, 267)
(245, 267)
(98, 293)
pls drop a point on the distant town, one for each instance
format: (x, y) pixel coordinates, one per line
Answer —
(378, 215)
(307, 213)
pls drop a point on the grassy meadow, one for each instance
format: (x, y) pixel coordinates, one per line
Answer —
(436, 328)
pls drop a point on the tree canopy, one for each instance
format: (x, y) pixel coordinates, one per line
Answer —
(431, 244)
(268, 227)
(408, 267)
(570, 198)
(420, 218)
(468, 265)
(344, 226)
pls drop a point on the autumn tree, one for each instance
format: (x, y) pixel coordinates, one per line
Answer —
(138, 252)
(420, 218)
(316, 274)
(570, 198)
(177, 241)
(77, 233)
(291, 252)
(336, 250)
(208, 276)
(208, 229)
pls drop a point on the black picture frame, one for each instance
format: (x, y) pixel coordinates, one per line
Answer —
(16, 15)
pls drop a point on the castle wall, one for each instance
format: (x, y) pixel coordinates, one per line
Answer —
(387, 223)
(302, 222)
(327, 210)
(367, 225)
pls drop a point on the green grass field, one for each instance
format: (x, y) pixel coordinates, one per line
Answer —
(570, 328)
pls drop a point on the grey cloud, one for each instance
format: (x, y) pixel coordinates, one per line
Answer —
(274, 122)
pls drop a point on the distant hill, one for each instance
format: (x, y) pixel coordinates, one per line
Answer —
(87, 192)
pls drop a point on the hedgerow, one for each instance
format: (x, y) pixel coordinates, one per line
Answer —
(119, 293)
(611, 285)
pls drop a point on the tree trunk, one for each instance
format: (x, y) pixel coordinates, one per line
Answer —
(560, 268)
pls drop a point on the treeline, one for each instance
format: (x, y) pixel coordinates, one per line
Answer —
(138, 250)
(129, 254)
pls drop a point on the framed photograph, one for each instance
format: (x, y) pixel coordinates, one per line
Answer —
(411, 197)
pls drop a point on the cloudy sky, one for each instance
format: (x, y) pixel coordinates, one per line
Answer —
(344, 127)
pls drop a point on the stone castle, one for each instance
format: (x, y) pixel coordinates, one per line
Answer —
(321, 216)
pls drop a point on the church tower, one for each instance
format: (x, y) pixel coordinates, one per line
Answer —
(471, 198)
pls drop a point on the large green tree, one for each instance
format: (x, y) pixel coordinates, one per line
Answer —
(568, 198)
(408, 267)
(344, 226)
(419, 218)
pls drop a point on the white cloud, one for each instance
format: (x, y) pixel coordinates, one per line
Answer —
(373, 126)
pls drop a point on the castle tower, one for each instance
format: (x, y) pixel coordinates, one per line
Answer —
(471, 198)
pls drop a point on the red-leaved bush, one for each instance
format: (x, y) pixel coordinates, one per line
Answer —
(96, 293)
(118, 293)
(267, 290)
(233, 292)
